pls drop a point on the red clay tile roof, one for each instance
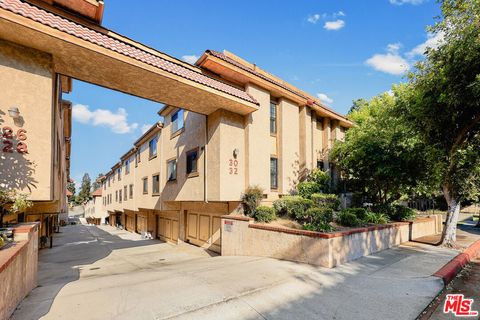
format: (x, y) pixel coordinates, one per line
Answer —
(97, 193)
(222, 56)
(54, 21)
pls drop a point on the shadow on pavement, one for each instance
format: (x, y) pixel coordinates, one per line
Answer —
(75, 246)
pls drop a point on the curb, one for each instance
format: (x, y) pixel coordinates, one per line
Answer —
(450, 270)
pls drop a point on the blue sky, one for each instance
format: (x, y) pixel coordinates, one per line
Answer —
(334, 49)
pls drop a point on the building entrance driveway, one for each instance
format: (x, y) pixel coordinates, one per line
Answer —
(103, 273)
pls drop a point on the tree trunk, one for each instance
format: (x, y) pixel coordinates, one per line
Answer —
(449, 234)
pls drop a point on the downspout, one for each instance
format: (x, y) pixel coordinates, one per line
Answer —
(205, 184)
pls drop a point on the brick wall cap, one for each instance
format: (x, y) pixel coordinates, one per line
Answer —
(237, 217)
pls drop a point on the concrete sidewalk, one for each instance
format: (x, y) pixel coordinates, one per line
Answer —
(94, 274)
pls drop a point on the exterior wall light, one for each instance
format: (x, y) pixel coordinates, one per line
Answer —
(14, 112)
(235, 153)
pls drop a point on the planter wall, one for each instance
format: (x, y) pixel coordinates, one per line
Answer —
(240, 236)
(18, 268)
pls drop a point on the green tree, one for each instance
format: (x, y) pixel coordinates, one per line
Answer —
(96, 184)
(444, 106)
(72, 189)
(85, 190)
(12, 202)
(381, 154)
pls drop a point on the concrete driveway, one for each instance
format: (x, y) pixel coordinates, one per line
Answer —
(102, 273)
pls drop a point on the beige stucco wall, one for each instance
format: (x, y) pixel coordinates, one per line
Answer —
(226, 172)
(240, 238)
(289, 155)
(95, 209)
(257, 140)
(27, 83)
(193, 136)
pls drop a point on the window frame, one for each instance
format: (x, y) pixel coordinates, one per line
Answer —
(145, 184)
(176, 173)
(176, 131)
(127, 166)
(274, 186)
(274, 118)
(125, 196)
(138, 158)
(150, 154)
(153, 182)
(196, 172)
(130, 191)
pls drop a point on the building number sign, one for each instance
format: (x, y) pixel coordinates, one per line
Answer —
(8, 144)
(233, 166)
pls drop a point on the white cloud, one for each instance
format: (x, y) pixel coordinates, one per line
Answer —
(324, 98)
(145, 127)
(402, 2)
(190, 58)
(391, 62)
(394, 47)
(116, 121)
(313, 18)
(340, 14)
(433, 41)
(334, 25)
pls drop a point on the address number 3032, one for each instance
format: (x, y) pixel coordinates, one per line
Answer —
(8, 144)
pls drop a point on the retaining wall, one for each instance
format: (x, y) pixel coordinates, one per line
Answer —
(241, 236)
(18, 268)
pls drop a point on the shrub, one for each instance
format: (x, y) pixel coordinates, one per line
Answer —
(402, 213)
(396, 212)
(251, 199)
(321, 178)
(360, 213)
(321, 227)
(307, 188)
(318, 219)
(325, 200)
(377, 218)
(348, 219)
(292, 206)
(319, 215)
(264, 214)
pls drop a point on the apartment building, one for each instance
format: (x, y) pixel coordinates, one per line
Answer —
(227, 123)
(182, 175)
(94, 209)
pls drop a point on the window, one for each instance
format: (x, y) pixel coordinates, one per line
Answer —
(145, 185)
(172, 170)
(177, 121)
(125, 193)
(137, 158)
(320, 164)
(274, 173)
(119, 174)
(273, 118)
(192, 159)
(131, 191)
(155, 184)
(152, 147)
(120, 195)
(127, 166)
(116, 196)
(109, 178)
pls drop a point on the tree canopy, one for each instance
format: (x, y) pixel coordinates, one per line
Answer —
(426, 136)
